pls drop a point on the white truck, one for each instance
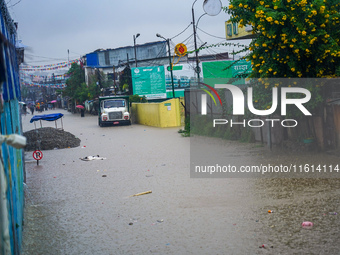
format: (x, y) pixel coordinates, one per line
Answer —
(114, 110)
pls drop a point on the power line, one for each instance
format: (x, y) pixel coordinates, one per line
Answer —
(182, 31)
(13, 4)
(211, 34)
(31, 55)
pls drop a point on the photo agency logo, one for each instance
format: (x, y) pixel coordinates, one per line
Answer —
(239, 105)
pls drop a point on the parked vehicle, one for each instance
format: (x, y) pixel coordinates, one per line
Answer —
(114, 110)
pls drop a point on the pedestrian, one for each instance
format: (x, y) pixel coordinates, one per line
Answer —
(24, 107)
(32, 108)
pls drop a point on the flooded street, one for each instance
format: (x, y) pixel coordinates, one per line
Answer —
(86, 207)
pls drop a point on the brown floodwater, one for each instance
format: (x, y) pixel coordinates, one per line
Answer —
(86, 207)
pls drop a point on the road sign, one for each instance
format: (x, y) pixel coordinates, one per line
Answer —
(37, 155)
(174, 68)
(180, 50)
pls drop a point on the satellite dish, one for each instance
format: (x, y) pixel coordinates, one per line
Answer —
(212, 7)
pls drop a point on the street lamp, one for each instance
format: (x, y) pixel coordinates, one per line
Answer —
(197, 69)
(170, 66)
(212, 8)
(134, 46)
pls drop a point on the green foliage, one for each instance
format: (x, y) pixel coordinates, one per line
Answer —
(186, 131)
(263, 94)
(295, 38)
(125, 78)
(137, 99)
(77, 88)
(125, 87)
(337, 71)
(75, 84)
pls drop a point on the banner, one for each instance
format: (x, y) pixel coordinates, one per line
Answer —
(48, 67)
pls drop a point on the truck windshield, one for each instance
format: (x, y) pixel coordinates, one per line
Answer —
(114, 103)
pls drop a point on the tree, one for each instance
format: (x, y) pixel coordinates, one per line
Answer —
(125, 78)
(295, 38)
(75, 84)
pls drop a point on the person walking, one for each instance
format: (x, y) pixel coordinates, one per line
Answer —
(32, 108)
(24, 108)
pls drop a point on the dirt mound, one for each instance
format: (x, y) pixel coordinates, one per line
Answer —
(50, 138)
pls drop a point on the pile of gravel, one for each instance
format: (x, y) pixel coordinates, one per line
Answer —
(48, 138)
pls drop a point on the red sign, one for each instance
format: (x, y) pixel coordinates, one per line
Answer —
(37, 155)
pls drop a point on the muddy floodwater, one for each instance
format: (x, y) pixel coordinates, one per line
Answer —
(86, 207)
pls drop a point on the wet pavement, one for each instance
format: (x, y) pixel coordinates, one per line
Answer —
(86, 207)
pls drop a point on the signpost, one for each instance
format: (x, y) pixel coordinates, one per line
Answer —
(149, 81)
(242, 67)
(37, 155)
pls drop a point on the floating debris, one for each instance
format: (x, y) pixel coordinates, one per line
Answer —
(89, 158)
(307, 224)
(142, 193)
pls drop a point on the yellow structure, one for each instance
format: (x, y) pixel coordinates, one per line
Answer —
(163, 114)
(234, 32)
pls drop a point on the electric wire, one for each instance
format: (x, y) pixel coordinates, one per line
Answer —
(218, 37)
(35, 56)
(14, 4)
(182, 31)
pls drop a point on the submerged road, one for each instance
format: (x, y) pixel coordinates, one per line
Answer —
(87, 207)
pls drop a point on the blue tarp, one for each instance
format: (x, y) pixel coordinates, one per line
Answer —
(48, 117)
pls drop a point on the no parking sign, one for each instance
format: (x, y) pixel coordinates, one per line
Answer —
(37, 155)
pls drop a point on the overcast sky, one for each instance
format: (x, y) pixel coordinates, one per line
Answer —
(50, 28)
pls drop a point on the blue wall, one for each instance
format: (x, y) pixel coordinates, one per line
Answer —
(113, 57)
(11, 159)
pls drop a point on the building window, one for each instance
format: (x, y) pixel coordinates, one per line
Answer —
(229, 30)
(235, 28)
(107, 58)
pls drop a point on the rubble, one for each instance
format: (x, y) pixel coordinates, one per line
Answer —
(49, 138)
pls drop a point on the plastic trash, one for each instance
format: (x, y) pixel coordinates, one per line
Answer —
(332, 213)
(307, 224)
(89, 158)
(265, 246)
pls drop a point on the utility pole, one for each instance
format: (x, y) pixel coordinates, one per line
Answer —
(171, 73)
(170, 64)
(114, 79)
(134, 46)
(197, 69)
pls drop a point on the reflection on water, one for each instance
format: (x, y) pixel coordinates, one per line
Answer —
(72, 209)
